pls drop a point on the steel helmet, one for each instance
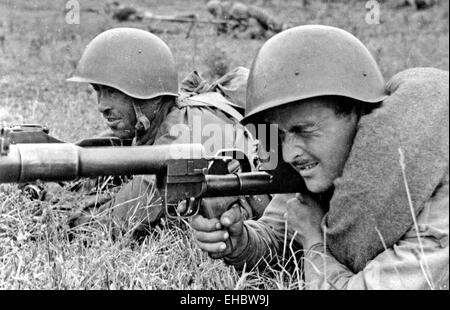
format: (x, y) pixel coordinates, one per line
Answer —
(134, 61)
(310, 61)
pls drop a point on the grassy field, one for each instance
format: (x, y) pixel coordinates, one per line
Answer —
(40, 50)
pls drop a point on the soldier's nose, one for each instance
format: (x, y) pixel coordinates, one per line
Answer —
(103, 108)
(291, 149)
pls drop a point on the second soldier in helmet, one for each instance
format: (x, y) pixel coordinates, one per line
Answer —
(135, 77)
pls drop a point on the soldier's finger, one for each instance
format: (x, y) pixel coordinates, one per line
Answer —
(217, 247)
(201, 223)
(211, 237)
(232, 216)
(184, 205)
(181, 206)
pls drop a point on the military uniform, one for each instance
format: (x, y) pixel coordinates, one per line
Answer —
(395, 173)
(139, 68)
(372, 242)
(137, 205)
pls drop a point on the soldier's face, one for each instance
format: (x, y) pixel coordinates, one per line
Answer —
(117, 109)
(315, 141)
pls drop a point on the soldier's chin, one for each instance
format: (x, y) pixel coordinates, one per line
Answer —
(316, 186)
(123, 133)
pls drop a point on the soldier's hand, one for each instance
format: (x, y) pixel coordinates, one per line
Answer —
(219, 236)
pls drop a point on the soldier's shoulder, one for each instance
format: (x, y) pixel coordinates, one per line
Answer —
(420, 76)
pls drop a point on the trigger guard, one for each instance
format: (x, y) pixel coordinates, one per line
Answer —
(188, 213)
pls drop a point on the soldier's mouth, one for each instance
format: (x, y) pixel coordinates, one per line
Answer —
(306, 166)
(112, 122)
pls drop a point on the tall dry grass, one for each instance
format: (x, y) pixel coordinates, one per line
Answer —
(39, 51)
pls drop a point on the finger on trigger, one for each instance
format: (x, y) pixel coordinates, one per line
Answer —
(185, 205)
(181, 206)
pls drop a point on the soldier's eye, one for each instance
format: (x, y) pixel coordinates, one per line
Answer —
(303, 130)
(307, 131)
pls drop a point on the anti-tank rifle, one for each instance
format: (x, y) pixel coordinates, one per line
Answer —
(182, 170)
(37, 133)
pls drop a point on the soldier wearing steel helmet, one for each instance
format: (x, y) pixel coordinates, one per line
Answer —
(135, 77)
(377, 152)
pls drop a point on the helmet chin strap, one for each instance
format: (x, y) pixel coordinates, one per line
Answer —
(147, 127)
(143, 123)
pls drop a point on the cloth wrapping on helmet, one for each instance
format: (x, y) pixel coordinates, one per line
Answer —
(232, 86)
(370, 199)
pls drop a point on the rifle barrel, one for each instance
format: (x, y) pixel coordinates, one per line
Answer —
(65, 161)
(250, 183)
(187, 20)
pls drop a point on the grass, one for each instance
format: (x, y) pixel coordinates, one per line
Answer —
(422, 257)
(39, 51)
(35, 253)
